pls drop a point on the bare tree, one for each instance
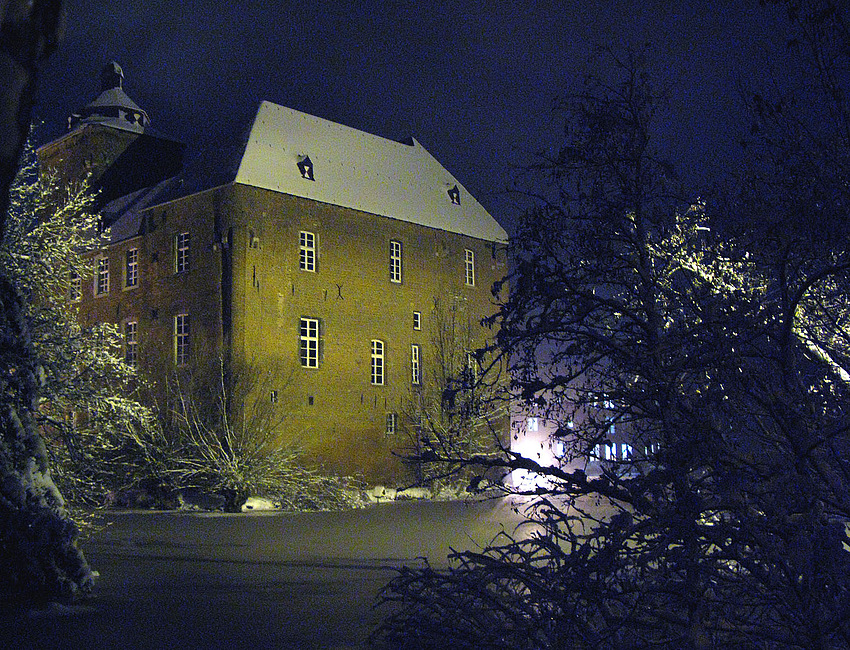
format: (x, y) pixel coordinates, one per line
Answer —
(628, 306)
(455, 405)
(227, 439)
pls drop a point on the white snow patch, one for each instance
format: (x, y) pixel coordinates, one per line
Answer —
(259, 504)
(412, 493)
(380, 493)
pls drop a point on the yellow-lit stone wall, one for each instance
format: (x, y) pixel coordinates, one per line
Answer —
(333, 412)
(161, 292)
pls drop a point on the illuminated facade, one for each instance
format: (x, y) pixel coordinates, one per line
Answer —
(317, 256)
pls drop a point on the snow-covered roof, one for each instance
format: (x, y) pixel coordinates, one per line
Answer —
(112, 107)
(303, 155)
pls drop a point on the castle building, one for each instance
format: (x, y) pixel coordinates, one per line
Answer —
(320, 258)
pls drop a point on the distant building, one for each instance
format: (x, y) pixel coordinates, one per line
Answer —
(318, 256)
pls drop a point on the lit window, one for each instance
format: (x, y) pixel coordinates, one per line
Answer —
(131, 267)
(181, 339)
(131, 343)
(392, 423)
(395, 261)
(181, 252)
(470, 268)
(471, 369)
(417, 320)
(415, 366)
(307, 244)
(101, 276)
(626, 451)
(603, 451)
(377, 363)
(75, 287)
(559, 448)
(532, 424)
(454, 195)
(309, 342)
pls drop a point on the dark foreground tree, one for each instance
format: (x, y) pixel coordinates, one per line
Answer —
(720, 524)
(38, 555)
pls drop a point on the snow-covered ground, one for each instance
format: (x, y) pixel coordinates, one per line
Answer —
(254, 580)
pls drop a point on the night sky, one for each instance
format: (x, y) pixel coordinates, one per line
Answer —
(473, 81)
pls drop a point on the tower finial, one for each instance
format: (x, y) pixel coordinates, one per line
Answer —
(111, 77)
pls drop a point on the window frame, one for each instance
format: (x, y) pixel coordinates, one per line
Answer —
(391, 427)
(131, 268)
(182, 244)
(417, 321)
(471, 369)
(75, 287)
(309, 342)
(131, 342)
(377, 365)
(307, 251)
(182, 340)
(604, 451)
(101, 275)
(396, 261)
(469, 267)
(415, 364)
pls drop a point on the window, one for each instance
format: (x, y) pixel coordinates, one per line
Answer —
(471, 369)
(181, 339)
(417, 320)
(101, 276)
(415, 366)
(181, 252)
(603, 451)
(470, 268)
(392, 423)
(273, 396)
(377, 363)
(532, 425)
(309, 342)
(131, 267)
(454, 195)
(131, 349)
(395, 261)
(307, 244)
(75, 287)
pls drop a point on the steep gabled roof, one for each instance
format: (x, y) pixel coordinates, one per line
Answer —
(303, 155)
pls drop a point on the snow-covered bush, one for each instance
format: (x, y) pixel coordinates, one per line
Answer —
(96, 431)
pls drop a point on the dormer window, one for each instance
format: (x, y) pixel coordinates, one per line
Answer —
(305, 167)
(454, 195)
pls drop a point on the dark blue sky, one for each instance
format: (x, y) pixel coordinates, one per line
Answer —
(473, 81)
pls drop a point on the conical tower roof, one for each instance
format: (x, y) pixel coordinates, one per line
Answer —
(112, 107)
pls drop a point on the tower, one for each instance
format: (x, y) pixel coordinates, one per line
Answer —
(110, 143)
